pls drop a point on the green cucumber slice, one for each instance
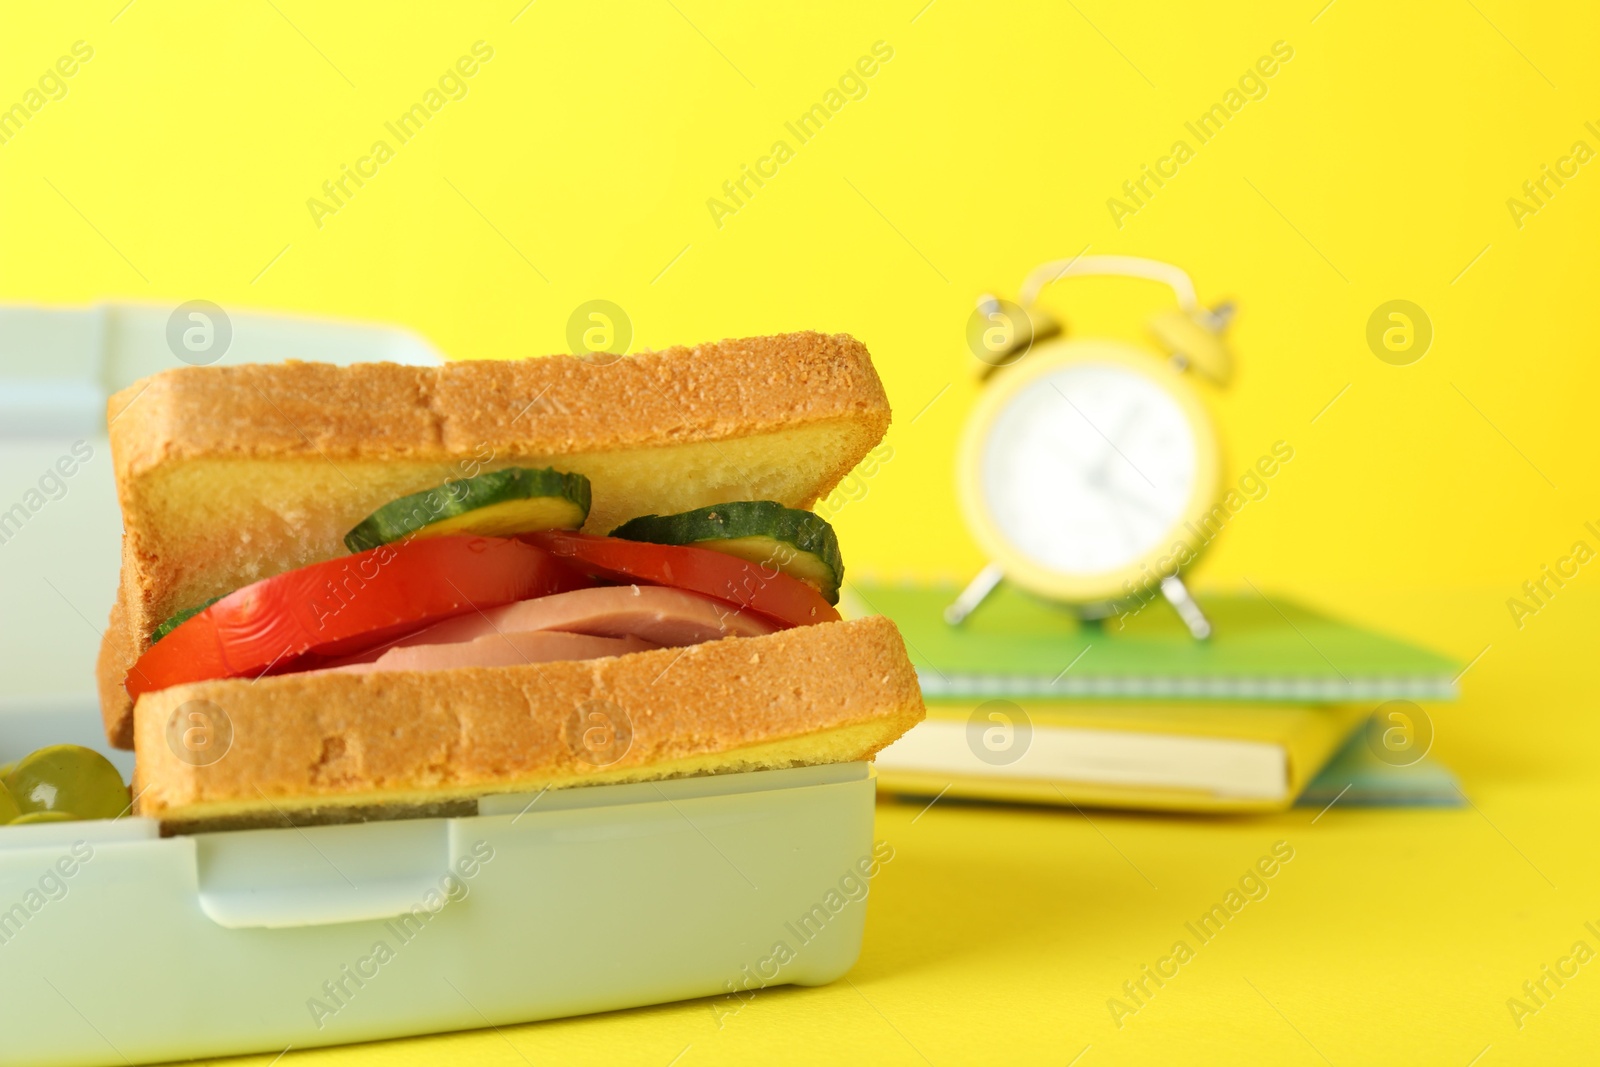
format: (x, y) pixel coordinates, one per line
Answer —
(498, 504)
(181, 617)
(798, 543)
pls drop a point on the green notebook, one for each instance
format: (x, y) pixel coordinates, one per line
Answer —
(1261, 649)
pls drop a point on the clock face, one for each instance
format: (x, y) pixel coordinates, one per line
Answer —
(1088, 469)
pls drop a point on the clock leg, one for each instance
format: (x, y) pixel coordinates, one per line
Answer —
(1177, 595)
(973, 595)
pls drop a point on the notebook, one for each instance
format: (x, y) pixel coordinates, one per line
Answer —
(1261, 649)
(1026, 702)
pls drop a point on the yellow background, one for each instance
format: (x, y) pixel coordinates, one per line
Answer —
(1378, 166)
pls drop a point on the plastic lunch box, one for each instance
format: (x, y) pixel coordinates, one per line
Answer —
(118, 945)
(129, 947)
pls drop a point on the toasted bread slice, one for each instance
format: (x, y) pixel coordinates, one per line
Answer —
(228, 475)
(326, 747)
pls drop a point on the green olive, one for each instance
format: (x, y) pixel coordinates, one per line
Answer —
(44, 816)
(8, 805)
(68, 778)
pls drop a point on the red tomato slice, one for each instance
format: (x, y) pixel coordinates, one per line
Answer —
(297, 619)
(699, 570)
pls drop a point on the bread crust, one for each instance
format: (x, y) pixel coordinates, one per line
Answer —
(383, 411)
(302, 743)
(733, 388)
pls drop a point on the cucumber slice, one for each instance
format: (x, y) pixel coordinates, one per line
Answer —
(498, 504)
(180, 618)
(798, 543)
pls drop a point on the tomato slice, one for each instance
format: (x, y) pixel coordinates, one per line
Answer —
(296, 620)
(699, 570)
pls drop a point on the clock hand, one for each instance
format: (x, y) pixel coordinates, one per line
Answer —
(1128, 533)
(1104, 465)
(1103, 489)
(1103, 468)
(1138, 502)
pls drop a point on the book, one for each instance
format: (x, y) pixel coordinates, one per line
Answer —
(1168, 756)
(1027, 702)
(1261, 649)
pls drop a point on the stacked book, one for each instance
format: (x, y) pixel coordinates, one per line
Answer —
(1026, 702)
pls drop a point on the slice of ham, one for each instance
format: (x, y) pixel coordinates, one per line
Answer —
(499, 650)
(663, 617)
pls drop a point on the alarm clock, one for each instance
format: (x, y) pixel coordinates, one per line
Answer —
(1089, 466)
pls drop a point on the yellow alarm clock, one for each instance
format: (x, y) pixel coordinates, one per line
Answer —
(1088, 467)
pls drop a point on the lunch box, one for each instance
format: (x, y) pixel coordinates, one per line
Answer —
(119, 945)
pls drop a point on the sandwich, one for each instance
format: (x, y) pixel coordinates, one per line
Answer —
(383, 591)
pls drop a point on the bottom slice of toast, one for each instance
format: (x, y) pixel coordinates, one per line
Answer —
(294, 750)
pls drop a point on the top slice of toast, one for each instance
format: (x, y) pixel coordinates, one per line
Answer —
(228, 475)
